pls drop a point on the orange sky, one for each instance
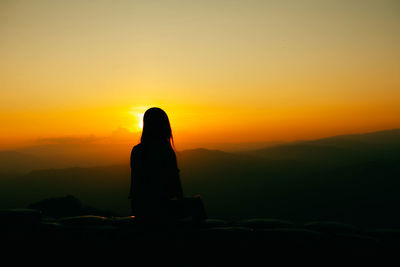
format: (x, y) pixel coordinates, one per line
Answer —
(224, 71)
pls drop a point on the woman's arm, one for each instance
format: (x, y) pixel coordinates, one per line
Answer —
(133, 170)
(176, 179)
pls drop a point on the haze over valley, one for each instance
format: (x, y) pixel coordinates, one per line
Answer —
(349, 178)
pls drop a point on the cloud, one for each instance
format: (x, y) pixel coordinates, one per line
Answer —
(122, 135)
(119, 136)
(69, 140)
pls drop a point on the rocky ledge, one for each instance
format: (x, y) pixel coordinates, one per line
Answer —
(29, 224)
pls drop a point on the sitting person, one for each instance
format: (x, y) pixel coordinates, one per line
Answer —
(156, 191)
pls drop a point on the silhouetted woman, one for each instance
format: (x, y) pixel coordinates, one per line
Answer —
(154, 171)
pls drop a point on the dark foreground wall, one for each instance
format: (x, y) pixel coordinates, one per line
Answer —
(193, 242)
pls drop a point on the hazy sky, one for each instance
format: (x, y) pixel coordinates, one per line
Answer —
(224, 71)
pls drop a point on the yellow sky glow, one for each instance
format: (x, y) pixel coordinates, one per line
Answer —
(224, 71)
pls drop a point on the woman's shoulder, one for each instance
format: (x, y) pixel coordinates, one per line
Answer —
(158, 147)
(137, 148)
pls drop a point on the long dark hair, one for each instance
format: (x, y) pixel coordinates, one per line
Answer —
(156, 127)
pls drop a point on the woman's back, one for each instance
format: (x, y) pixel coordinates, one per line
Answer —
(154, 178)
(155, 174)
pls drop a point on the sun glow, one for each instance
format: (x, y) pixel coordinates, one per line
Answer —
(140, 117)
(138, 114)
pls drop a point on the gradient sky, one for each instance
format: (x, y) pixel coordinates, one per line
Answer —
(224, 71)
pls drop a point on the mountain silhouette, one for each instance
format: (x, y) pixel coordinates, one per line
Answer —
(352, 178)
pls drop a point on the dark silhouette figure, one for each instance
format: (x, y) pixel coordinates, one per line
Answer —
(154, 172)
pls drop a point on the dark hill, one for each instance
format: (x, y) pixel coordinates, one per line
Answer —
(104, 187)
(338, 150)
(13, 162)
(353, 179)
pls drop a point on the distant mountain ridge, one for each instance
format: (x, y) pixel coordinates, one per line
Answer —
(384, 144)
(342, 149)
(343, 178)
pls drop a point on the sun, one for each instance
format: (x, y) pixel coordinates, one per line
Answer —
(138, 114)
(140, 118)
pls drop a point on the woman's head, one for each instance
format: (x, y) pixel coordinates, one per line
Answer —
(156, 126)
